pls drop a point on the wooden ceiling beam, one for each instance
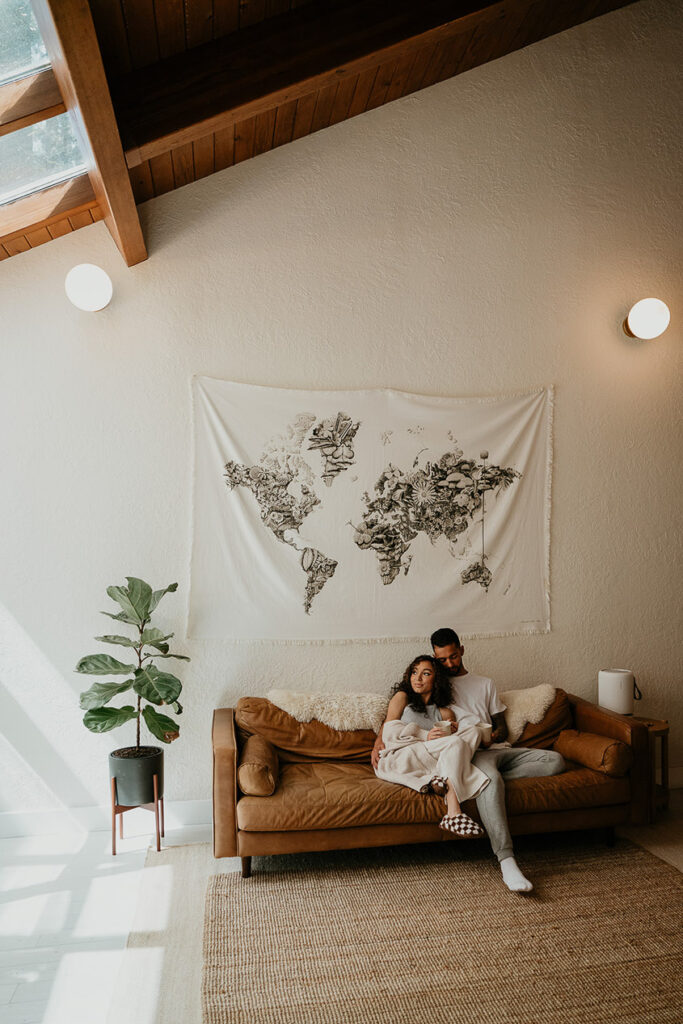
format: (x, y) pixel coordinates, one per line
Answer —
(69, 35)
(190, 95)
(29, 100)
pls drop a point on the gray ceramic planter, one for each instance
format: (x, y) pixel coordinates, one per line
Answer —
(135, 775)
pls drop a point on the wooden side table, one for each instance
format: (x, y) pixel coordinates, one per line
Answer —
(659, 794)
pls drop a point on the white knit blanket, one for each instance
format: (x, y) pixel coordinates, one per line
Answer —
(524, 706)
(343, 711)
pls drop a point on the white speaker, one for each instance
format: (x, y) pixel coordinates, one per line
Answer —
(617, 690)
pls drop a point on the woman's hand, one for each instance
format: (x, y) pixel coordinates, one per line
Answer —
(374, 757)
(444, 728)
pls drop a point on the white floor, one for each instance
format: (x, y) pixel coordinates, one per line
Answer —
(67, 905)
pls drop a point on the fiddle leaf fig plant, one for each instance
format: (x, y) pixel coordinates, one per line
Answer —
(149, 684)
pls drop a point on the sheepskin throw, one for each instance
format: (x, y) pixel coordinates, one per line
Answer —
(362, 515)
(343, 711)
(525, 706)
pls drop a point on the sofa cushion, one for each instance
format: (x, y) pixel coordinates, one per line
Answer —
(597, 752)
(332, 794)
(301, 741)
(559, 716)
(573, 790)
(258, 768)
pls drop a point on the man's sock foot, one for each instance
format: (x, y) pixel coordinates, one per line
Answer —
(513, 877)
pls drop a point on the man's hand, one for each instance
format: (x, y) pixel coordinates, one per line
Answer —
(374, 757)
(500, 729)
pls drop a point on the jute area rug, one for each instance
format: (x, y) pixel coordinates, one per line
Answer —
(429, 934)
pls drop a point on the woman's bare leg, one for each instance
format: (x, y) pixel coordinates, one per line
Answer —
(452, 802)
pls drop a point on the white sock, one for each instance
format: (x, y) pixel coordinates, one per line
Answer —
(513, 877)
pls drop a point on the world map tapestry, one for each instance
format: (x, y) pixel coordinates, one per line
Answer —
(368, 515)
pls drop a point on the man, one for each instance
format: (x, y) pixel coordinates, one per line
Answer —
(475, 697)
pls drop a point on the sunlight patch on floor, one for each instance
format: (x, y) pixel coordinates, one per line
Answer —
(84, 984)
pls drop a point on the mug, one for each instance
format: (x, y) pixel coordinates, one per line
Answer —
(486, 730)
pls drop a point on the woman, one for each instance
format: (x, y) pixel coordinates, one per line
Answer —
(424, 749)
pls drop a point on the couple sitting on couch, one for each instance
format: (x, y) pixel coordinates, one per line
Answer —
(436, 738)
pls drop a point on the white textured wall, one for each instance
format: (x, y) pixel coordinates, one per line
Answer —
(484, 236)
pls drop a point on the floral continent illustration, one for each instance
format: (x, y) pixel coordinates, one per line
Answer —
(439, 500)
(282, 485)
(333, 439)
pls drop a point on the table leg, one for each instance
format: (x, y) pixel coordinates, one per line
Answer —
(653, 777)
(113, 817)
(156, 809)
(665, 769)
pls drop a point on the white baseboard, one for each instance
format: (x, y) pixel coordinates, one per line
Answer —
(177, 814)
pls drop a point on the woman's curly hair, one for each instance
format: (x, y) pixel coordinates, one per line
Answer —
(442, 694)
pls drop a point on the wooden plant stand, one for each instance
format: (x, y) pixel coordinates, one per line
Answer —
(157, 806)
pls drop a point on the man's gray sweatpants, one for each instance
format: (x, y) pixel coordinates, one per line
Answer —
(508, 763)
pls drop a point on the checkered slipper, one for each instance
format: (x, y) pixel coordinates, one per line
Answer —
(461, 825)
(438, 785)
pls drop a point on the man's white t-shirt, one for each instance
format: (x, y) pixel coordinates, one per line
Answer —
(475, 698)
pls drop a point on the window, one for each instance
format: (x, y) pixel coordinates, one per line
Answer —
(22, 51)
(38, 156)
(45, 153)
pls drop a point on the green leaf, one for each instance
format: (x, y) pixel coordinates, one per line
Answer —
(181, 657)
(103, 665)
(164, 728)
(158, 594)
(122, 617)
(153, 637)
(134, 599)
(116, 639)
(104, 719)
(100, 694)
(155, 686)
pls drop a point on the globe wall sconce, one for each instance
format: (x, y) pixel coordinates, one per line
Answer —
(647, 319)
(88, 287)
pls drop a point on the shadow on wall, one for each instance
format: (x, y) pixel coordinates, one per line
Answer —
(34, 701)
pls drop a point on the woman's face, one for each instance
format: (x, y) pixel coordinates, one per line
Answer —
(422, 679)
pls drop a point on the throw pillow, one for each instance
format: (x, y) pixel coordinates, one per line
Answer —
(602, 754)
(300, 741)
(543, 734)
(258, 769)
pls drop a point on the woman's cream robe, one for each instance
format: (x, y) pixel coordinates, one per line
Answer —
(410, 759)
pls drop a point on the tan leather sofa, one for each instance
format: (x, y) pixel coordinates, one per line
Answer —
(281, 786)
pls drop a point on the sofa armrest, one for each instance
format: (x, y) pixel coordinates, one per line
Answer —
(225, 758)
(592, 718)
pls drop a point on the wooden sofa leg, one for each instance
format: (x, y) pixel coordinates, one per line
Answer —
(246, 867)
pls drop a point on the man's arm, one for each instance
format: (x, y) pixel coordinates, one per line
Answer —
(500, 729)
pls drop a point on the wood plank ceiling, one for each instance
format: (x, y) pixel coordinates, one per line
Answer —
(197, 87)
